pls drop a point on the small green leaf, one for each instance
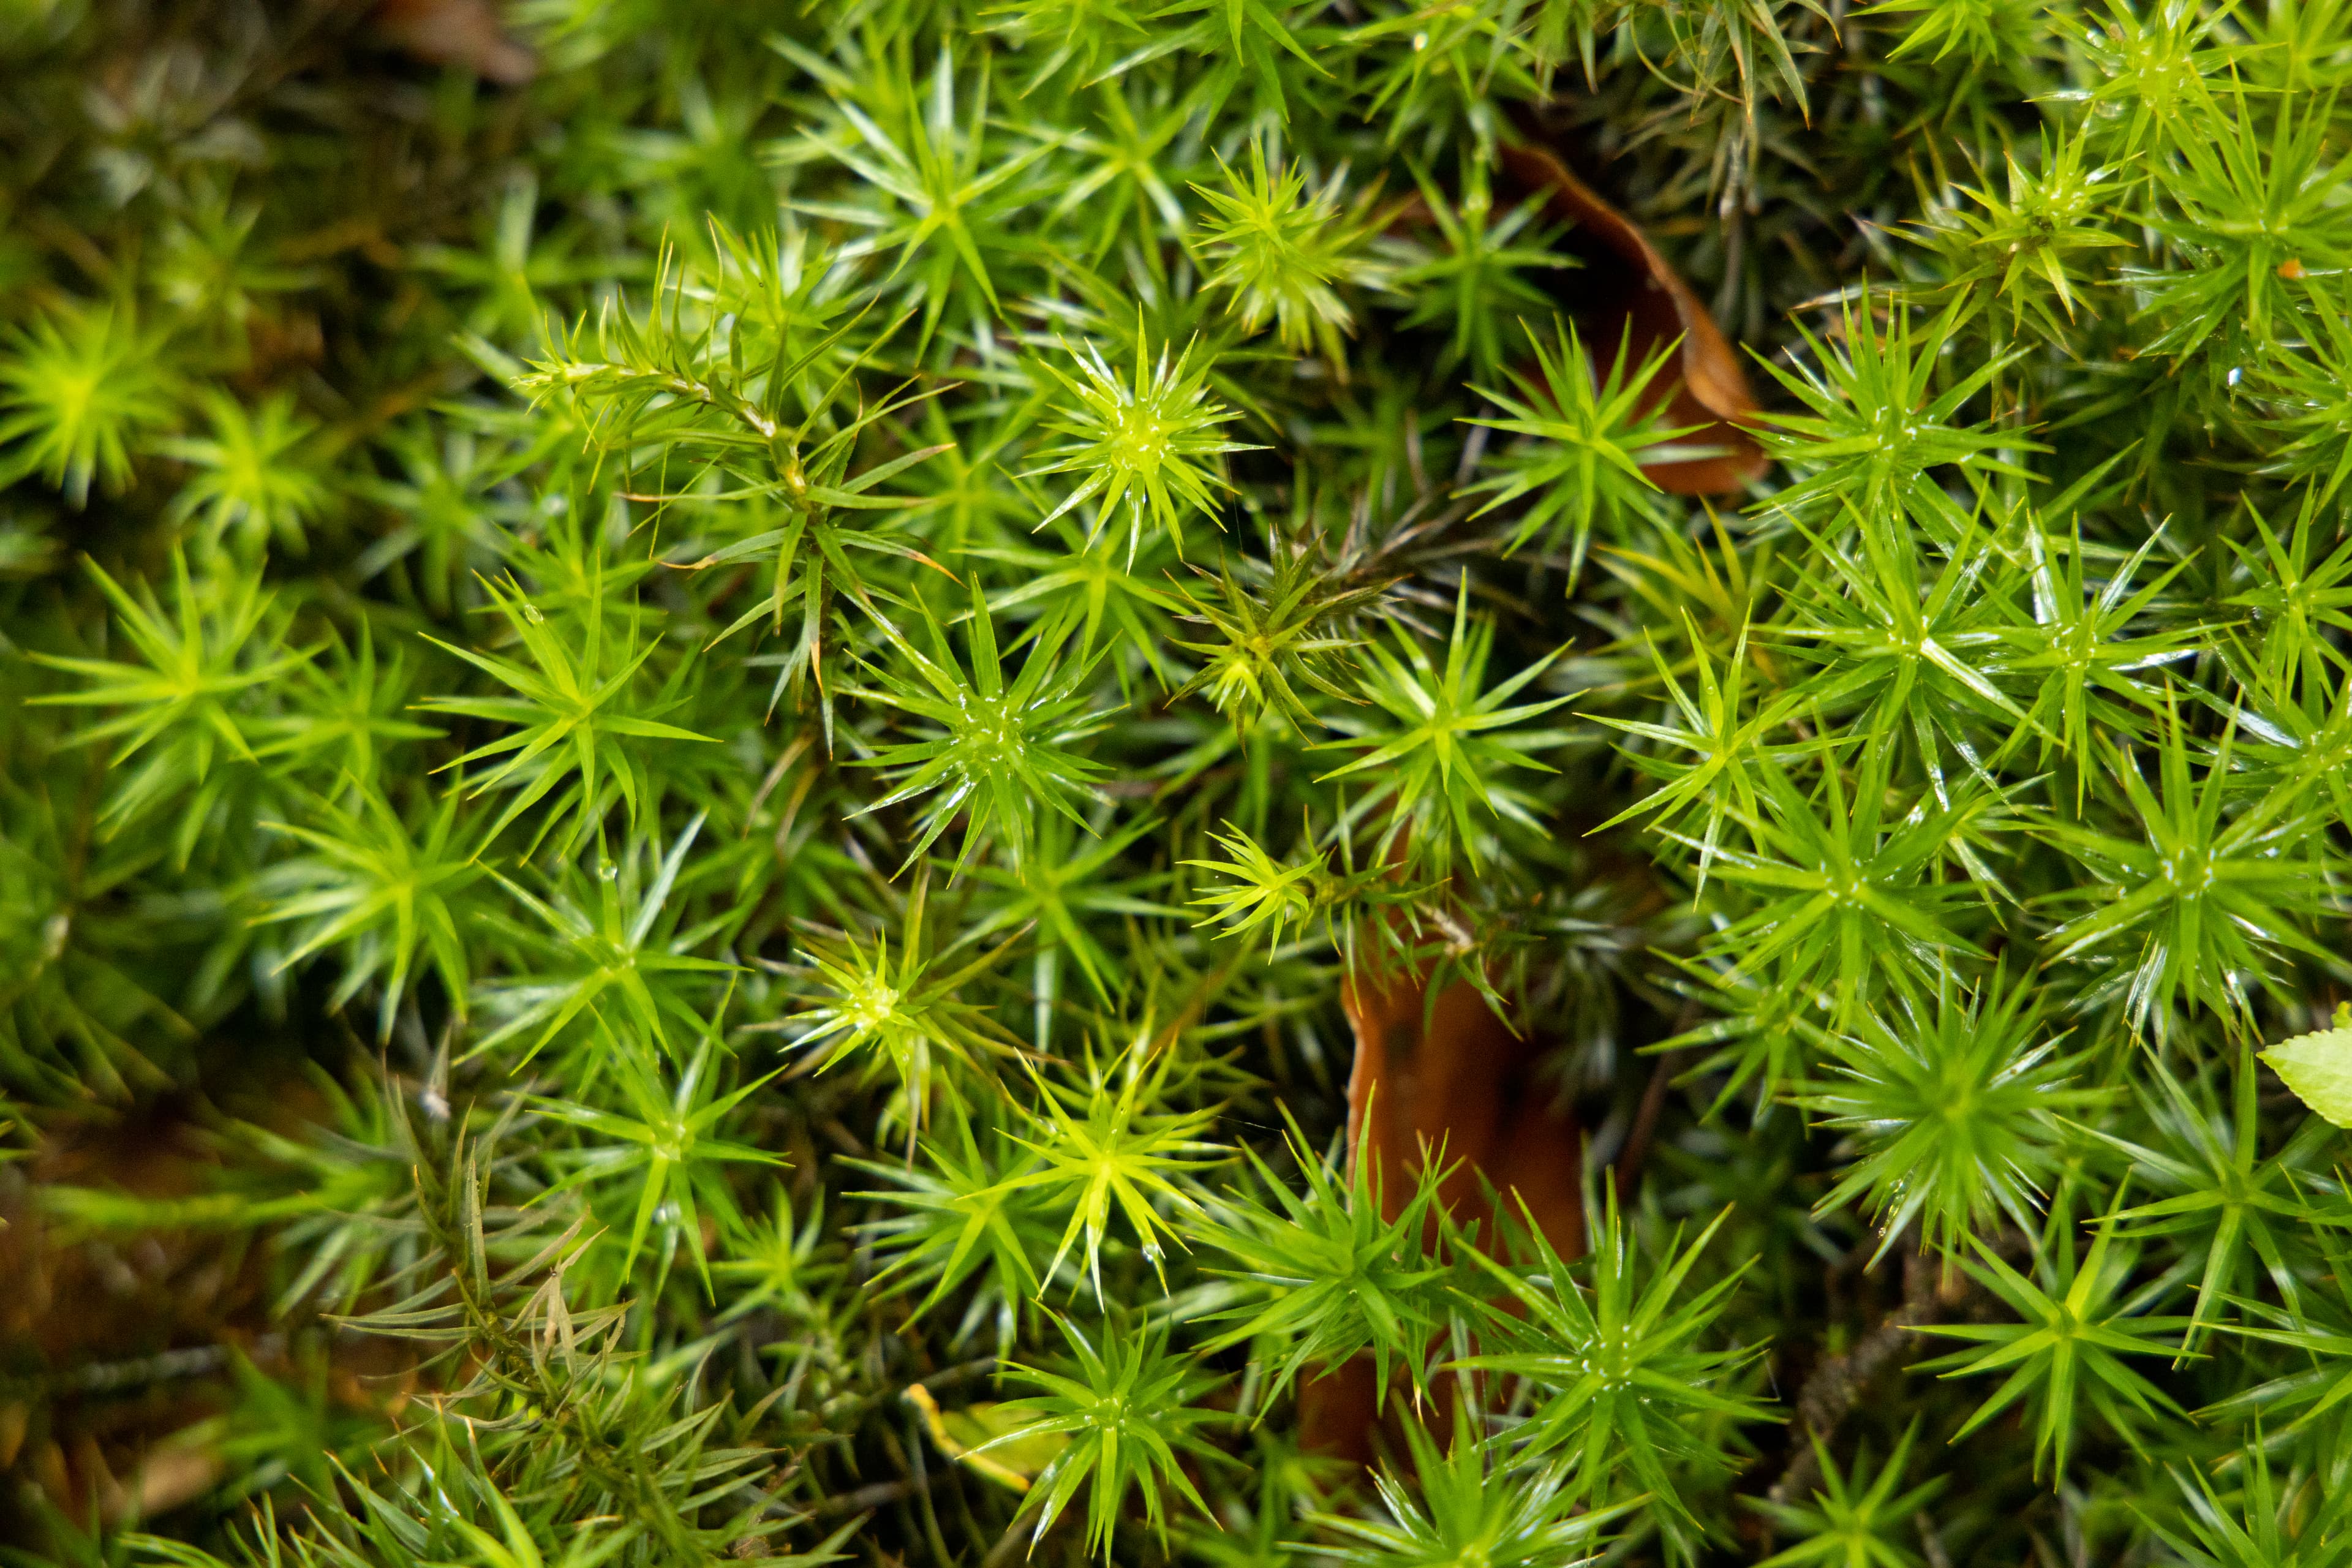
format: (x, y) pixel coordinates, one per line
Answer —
(2318, 1067)
(1013, 1456)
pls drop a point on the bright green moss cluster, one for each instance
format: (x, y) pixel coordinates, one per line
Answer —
(714, 737)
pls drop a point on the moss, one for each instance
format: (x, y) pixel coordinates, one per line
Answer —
(716, 721)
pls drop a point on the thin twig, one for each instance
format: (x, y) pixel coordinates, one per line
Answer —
(873, 1497)
(1628, 1168)
(1838, 1383)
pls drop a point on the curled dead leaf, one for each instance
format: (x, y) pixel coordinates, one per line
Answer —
(1628, 292)
(465, 33)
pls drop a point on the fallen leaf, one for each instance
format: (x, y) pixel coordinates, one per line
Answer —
(1465, 1082)
(171, 1477)
(1009, 1461)
(457, 33)
(1628, 292)
(1453, 1080)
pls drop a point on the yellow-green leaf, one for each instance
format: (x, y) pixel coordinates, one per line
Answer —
(2318, 1067)
(958, 1433)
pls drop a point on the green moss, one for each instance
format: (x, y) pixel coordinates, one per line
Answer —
(713, 736)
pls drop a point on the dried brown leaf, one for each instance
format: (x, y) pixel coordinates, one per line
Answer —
(1449, 1082)
(1627, 291)
(465, 33)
